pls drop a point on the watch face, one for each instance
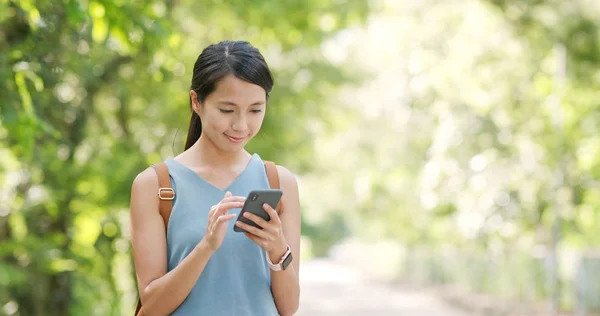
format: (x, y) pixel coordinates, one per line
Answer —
(287, 261)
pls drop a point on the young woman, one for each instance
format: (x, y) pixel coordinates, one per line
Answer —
(200, 266)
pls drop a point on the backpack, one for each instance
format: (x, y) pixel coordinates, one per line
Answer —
(166, 194)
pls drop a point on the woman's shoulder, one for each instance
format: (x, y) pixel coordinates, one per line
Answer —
(285, 174)
(145, 180)
(289, 185)
(143, 193)
(287, 179)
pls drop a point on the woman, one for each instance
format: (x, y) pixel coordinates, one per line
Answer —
(200, 266)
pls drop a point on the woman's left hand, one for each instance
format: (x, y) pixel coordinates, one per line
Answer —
(270, 237)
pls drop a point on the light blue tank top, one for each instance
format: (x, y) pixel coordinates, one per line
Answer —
(236, 280)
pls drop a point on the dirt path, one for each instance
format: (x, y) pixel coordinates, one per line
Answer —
(331, 289)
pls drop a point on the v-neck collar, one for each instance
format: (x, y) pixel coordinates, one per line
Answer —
(202, 179)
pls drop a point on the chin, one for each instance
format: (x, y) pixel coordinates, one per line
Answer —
(231, 147)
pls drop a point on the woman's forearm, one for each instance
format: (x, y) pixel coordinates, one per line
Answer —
(286, 290)
(163, 295)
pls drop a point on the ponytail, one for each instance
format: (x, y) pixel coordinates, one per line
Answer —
(194, 130)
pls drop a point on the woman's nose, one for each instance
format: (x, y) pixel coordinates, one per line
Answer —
(239, 124)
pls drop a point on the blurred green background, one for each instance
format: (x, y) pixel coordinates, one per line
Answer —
(455, 143)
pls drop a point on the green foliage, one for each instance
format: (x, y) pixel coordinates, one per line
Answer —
(472, 131)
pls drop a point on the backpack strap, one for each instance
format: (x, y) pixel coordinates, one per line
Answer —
(273, 177)
(166, 194)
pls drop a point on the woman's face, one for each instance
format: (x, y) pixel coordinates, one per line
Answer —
(232, 114)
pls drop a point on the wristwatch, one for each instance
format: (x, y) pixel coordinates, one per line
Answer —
(283, 263)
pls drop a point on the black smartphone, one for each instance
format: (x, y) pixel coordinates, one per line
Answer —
(254, 204)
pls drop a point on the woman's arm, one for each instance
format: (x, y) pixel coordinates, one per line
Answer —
(285, 284)
(161, 292)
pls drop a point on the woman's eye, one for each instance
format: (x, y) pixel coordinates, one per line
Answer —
(225, 111)
(256, 111)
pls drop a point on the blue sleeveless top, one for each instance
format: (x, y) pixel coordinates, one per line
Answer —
(236, 280)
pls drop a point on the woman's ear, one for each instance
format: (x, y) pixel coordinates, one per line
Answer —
(195, 102)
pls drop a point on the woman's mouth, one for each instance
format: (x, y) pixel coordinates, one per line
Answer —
(236, 140)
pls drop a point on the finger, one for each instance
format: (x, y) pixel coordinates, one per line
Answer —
(225, 218)
(234, 198)
(227, 194)
(257, 219)
(272, 213)
(255, 231)
(222, 219)
(224, 207)
(228, 217)
(257, 240)
(212, 210)
(272, 227)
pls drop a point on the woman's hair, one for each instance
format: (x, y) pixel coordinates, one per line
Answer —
(216, 61)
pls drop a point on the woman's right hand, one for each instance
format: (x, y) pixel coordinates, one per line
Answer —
(218, 218)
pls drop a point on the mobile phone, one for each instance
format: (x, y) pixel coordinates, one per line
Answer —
(254, 204)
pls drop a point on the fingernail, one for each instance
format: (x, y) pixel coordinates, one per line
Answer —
(246, 214)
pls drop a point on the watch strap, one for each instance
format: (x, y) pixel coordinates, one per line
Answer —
(283, 262)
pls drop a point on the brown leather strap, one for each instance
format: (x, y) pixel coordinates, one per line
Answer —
(273, 177)
(165, 193)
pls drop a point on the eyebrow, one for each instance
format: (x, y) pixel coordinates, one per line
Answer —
(234, 104)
